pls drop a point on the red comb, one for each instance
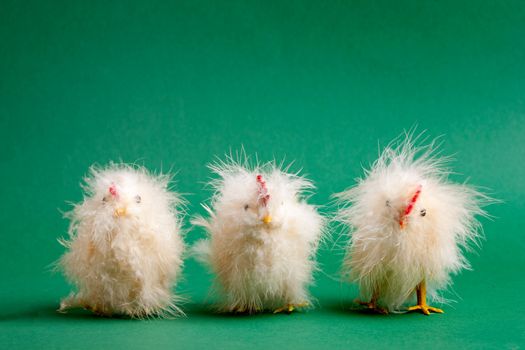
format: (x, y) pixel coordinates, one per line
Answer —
(113, 190)
(264, 196)
(411, 204)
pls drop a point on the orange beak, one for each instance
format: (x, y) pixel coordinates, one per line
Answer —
(119, 212)
(267, 219)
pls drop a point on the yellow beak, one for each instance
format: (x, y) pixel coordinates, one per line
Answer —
(120, 212)
(267, 219)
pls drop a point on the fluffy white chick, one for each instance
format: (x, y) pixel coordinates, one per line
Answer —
(125, 246)
(263, 237)
(408, 224)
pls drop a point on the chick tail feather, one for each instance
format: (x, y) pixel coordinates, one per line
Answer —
(70, 302)
(201, 251)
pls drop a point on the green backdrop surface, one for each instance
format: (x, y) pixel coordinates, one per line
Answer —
(172, 84)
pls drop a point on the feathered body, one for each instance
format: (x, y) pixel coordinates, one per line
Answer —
(125, 246)
(408, 224)
(263, 237)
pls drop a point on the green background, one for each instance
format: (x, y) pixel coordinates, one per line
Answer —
(172, 84)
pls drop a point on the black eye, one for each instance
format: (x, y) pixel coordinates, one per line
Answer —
(246, 207)
(423, 212)
(387, 203)
(138, 199)
(104, 199)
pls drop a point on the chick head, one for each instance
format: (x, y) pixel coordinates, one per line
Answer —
(255, 198)
(119, 196)
(407, 191)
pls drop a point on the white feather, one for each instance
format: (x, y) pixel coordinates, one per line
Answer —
(384, 258)
(124, 264)
(260, 266)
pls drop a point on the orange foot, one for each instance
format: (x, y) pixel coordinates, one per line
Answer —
(372, 305)
(289, 308)
(425, 309)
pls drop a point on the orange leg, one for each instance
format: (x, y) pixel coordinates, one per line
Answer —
(421, 292)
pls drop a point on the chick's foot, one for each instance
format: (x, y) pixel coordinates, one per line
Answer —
(289, 308)
(372, 305)
(425, 309)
